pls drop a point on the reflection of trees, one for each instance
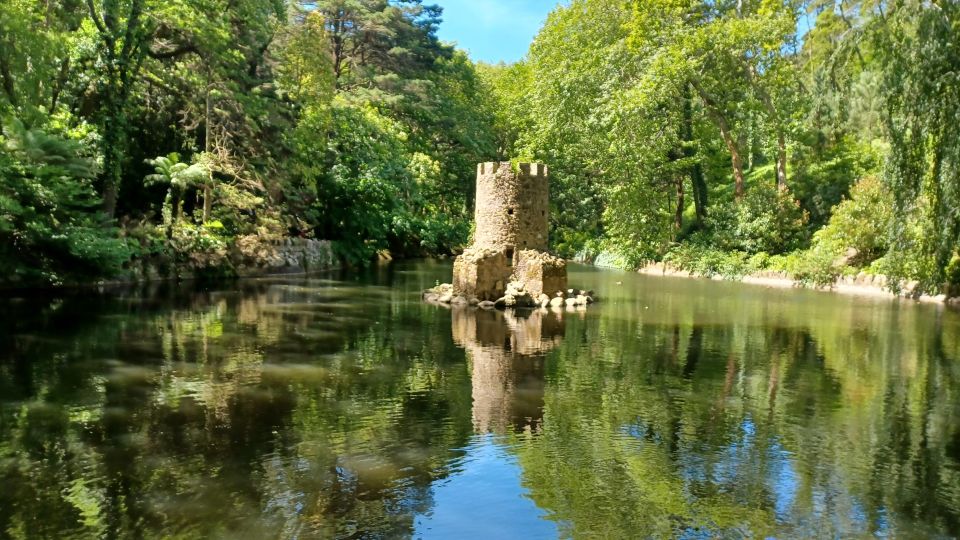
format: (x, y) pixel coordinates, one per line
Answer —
(505, 352)
(728, 416)
(275, 411)
(315, 409)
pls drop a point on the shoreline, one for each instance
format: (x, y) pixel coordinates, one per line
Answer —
(860, 285)
(255, 259)
(864, 285)
(115, 284)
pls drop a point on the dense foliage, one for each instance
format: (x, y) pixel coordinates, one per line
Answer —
(139, 129)
(721, 136)
(709, 134)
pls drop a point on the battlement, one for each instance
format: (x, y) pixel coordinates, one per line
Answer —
(525, 169)
(512, 207)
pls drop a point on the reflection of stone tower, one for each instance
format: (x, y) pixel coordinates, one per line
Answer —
(510, 241)
(507, 356)
(512, 208)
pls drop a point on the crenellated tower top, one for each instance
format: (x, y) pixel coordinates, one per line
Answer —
(512, 207)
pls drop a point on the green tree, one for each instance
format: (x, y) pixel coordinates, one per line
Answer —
(51, 230)
(919, 57)
(179, 176)
(123, 34)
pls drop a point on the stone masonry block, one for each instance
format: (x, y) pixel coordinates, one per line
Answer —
(541, 273)
(481, 273)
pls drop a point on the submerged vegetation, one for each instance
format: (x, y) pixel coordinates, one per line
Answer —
(814, 137)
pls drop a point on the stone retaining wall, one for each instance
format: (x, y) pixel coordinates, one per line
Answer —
(541, 273)
(287, 255)
(481, 273)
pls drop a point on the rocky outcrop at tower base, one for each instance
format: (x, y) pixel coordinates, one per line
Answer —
(541, 273)
(485, 274)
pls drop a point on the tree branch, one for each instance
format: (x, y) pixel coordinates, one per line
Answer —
(6, 76)
(96, 18)
(181, 50)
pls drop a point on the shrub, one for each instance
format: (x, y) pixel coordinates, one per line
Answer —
(855, 236)
(766, 220)
(860, 223)
(814, 267)
(709, 261)
(200, 248)
(50, 230)
(822, 179)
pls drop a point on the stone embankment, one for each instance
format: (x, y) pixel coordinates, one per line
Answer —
(862, 284)
(515, 297)
(246, 256)
(287, 255)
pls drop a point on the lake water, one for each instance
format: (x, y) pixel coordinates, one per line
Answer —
(345, 408)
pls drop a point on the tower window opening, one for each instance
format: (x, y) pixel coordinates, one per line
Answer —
(510, 256)
(509, 211)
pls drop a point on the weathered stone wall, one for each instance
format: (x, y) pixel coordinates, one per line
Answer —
(481, 273)
(285, 255)
(512, 206)
(541, 273)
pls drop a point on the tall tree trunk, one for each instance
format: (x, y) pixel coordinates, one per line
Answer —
(338, 46)
(6, 76)
(62, 77)
(697, 180)
(681, 203)
(177, 205)
(736, 161)
(122, 51)
(781, 161)
(774, 117)
(208, 186)
(700, 196)
(112, 148)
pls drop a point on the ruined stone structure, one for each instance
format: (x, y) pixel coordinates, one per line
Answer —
(511, 208)
(540, 273)
(510, 241)
(481, 273)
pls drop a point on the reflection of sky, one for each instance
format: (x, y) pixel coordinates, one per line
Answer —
(484, 499)
(782, 476)
(833, 507)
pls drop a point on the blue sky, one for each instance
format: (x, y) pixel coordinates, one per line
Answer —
(493, 30)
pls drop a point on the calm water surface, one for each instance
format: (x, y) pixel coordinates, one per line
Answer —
(346, 408)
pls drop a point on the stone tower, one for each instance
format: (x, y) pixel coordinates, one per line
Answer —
(512, 206)
(510, 240)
